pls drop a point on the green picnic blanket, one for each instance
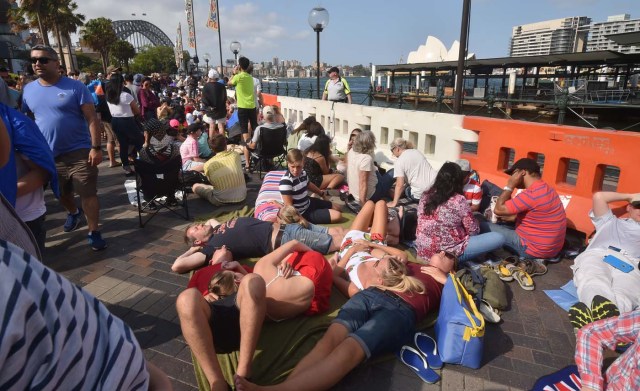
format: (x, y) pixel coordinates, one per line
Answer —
(282, 345)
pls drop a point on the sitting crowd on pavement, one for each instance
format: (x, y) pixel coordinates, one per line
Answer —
(58, 142)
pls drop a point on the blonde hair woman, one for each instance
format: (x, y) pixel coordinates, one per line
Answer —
(412, 172)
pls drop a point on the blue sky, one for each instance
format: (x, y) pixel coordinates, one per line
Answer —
(359, 31)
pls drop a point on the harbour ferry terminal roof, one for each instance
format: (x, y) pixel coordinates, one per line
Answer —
(598, 58)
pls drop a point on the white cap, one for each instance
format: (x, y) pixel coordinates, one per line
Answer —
(213, 74)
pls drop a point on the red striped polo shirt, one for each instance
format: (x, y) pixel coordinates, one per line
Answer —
(541, 222)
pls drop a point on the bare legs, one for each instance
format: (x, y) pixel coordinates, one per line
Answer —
(91, 207)
(331, 359)
(195, 312)
(331, 181)
(372, 215)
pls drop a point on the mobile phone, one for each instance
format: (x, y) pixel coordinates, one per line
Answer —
(618, 263)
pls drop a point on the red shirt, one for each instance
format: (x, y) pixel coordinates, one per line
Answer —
(426, 302)
(472, 192)
(541, 222)
(200, 279)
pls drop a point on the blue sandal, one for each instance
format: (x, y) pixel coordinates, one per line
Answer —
(412, 358)
(428, 347)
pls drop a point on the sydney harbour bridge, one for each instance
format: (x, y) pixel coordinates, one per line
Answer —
(141, 33)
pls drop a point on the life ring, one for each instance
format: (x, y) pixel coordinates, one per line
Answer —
(378, 88)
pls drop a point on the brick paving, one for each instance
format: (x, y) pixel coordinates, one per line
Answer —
(133, 278)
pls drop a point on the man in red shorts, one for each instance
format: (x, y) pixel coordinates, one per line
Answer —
(291, 281)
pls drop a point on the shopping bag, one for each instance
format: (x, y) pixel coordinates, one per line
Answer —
(460, 326)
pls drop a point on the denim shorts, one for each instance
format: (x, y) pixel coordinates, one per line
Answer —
(380, 322)
(315, 236)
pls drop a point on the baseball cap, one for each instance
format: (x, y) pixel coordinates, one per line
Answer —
(213, 74)
(524, 164)
(174, 123)
(464, 164)
(137, 79)
(267, 111)
(333, 69)
(112, 68)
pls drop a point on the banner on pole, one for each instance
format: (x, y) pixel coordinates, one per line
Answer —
(212, 22)
(192, 28)
(179, 54)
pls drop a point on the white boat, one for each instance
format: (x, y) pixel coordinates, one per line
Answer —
(270, 79)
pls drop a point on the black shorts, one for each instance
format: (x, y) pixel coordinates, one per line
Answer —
(246, 116)
(318, 211)
(225, 324)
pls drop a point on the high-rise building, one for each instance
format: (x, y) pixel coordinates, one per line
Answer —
(566, 35)
(614, 25)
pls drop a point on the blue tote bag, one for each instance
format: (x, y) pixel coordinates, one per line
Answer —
(460, 326)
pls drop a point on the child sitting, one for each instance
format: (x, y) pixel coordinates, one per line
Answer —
(189, 149)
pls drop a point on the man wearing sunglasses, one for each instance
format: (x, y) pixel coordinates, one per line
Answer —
(63, 110)
(603, 289)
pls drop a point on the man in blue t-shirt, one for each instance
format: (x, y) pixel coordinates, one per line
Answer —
(64, 111)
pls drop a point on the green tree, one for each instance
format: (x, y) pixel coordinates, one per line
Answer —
(31, 13)
(360, 70)
(99, 35)
(64, 21)
(122, 52)
(88, 64)
(154, 59)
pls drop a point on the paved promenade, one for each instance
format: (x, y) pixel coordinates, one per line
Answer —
(133, 278)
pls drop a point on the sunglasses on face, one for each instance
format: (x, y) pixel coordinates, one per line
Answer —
(42, 60)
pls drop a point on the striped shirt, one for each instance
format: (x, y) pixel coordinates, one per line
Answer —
(56, 336)
(296, 187)
(541, 223)
(472, 192)
(224, 171)
(606, 333)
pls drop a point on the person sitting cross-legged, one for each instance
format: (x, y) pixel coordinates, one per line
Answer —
(230, 317)
(224, 172)
(604, 290)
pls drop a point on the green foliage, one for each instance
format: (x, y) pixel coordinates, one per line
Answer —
(122, 52)
(88, 64)
(360, 70)
(99, 35)
(154, 59)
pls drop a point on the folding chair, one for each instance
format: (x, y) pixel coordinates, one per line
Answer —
(272, 144)
(159, 182)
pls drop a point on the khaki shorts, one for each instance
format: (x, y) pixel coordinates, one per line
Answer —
(206, 192)
(75, 174)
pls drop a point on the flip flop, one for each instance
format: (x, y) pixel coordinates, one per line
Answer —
(429, 349)
(504, 270)
(411, 358)
(523, 278)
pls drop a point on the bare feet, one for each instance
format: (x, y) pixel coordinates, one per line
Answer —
(243, 384)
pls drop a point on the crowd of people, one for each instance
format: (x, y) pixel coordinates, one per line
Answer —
(56, 126)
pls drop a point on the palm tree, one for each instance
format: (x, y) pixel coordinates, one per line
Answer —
(30, 14)
(99, 35)
(64, 21)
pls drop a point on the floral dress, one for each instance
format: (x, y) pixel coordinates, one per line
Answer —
(447, 228)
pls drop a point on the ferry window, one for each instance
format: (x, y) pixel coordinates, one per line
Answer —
(470, 148)
(568, 171)
(345, 127)
(429, 144)
(384, 135)
(397, 133)
(606, 178)
(505, 158)
(413, 138)
(539, 158)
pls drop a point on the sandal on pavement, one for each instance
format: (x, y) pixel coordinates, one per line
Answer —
(429, 349)
(523, 278)
(531, 267)
(116, 164)
(488, 312)
(505, 270)
(411, 358)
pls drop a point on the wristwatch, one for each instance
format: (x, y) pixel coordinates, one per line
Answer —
(507, 188)
(97, 147)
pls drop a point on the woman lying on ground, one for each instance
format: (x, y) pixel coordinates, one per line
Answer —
(376, 320)
(317, 162)
(364, 255)
(230, 316)
(445, 220)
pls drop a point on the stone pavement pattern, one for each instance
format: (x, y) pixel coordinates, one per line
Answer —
(133, 278)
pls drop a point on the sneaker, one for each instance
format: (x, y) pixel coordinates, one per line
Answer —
(580, 315)
(96, 242)
(128, 171)
(73, 221)
(602, 308)
(533, 267)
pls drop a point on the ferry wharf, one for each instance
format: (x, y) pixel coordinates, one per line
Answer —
(134, 279)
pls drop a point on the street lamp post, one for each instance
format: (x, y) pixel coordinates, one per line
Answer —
(235, 48)
(318, 20)
(206, 60)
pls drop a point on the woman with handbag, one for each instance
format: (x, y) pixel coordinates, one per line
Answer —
(123, 109)
(376, 320)
(445, 220)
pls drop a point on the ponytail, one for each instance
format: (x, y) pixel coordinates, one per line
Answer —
(396, 279)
